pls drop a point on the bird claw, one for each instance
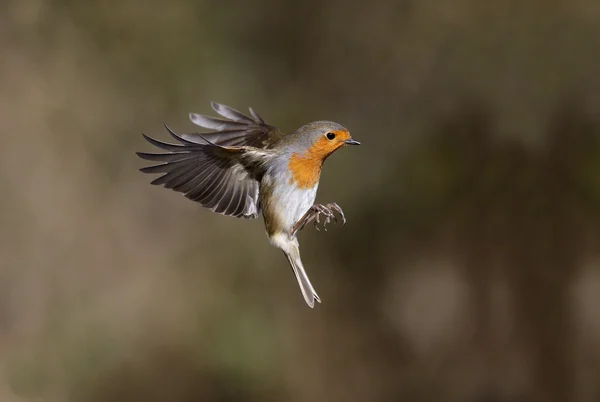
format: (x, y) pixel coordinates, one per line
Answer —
(320, 214)
(335, 207)
(325, 214)
(328, 214)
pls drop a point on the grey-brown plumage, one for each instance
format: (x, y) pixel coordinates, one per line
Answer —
(224, 179)
(239, 130)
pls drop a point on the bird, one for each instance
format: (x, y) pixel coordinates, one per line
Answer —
(244, 167)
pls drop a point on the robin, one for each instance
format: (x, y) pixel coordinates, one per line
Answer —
(245, 167)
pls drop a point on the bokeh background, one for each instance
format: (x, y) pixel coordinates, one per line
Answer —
(469, 269)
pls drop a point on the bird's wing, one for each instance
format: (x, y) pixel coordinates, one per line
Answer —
(222, 178)
(236, 129)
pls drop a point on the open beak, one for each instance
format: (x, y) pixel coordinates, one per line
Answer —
(351, 142)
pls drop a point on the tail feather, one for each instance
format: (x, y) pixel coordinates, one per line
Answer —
(309, 293)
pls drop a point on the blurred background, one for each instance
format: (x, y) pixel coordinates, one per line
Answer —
(469, 269)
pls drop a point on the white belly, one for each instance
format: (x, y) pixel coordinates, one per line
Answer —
(291, 203)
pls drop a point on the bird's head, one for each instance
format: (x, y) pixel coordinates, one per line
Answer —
(320, 139)
(310, 145)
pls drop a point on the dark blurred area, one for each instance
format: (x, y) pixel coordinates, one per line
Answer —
(469, 269)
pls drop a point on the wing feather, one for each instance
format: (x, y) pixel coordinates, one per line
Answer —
(222, 178)
(238, 129)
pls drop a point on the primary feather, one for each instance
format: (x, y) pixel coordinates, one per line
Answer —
(237, 130)
(222, 178)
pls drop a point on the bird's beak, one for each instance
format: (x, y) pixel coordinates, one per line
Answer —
(351, 142)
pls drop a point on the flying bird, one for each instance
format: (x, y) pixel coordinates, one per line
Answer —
(244, 167)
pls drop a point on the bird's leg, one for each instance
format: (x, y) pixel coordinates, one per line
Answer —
(314, 214)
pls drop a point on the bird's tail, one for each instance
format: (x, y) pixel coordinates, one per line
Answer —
(309, 293)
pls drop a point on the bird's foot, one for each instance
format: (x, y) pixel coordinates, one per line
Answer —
(320, 213)
(336, 208)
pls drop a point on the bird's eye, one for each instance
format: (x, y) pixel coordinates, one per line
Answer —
(330, 136)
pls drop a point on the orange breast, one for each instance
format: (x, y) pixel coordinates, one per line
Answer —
(306, 167)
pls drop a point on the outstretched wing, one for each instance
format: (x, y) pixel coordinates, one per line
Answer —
(221, 178)
(237, 130)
